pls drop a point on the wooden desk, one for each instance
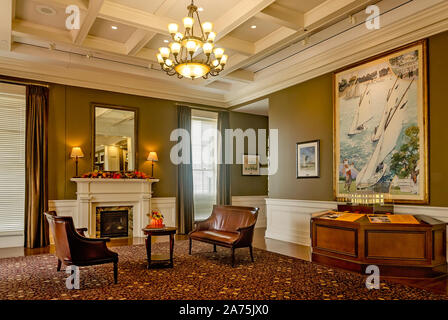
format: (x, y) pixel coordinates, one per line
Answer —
(399, 250)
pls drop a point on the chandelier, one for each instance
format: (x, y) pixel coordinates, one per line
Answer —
(189, 55)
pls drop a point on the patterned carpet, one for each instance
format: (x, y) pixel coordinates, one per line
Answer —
(204, 275)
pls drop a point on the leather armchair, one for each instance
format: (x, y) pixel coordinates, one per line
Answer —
(72, 248)
(228, 226)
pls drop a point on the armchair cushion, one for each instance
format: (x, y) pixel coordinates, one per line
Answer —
(216, 236)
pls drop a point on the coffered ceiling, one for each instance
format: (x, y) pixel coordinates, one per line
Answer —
(271, 44)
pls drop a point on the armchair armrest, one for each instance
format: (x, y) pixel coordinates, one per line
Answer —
(245, 235)
(202, 225)
(81, 231)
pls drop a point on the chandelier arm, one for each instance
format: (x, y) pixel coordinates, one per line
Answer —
(200, 26)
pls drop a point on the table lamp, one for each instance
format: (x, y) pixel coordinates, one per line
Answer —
(152, 157)
(77, 153)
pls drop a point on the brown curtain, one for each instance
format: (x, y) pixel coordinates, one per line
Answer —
(36, 175)
(185, 204)
(224, 195)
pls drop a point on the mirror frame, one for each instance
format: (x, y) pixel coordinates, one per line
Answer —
(95, 105)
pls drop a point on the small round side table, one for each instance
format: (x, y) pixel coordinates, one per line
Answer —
(156, 260)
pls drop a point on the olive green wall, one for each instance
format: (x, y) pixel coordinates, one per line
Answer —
(70, 124)
(305, 112)
(247, 185)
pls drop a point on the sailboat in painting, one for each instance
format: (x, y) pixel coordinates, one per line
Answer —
(392, 99)
(363, 113)
(375, 168)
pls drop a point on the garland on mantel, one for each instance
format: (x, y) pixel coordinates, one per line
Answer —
(98, 174)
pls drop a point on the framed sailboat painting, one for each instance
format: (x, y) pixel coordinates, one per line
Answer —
(380, 127)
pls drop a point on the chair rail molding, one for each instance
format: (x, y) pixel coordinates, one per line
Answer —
(253, 201)
(289, 220)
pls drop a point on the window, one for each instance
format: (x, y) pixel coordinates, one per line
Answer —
(204, 155)
(12, 159)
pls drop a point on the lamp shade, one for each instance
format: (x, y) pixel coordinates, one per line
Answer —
(77, 152)
(152, 156)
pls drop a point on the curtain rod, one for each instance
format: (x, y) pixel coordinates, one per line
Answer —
(215, 109)
(24, 83)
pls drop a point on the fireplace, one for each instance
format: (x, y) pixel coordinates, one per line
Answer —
(114, 222)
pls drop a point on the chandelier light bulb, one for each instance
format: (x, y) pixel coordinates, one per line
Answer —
(215, 63)
(164, 52)
(191, 46)
(208, 48)
(211, 37)
(175, 47)
(223, 60)
(188, 22)
(207, 27)
(178, 36)
(160, 58)
(218, 53)
(173, 28)
(169, 62)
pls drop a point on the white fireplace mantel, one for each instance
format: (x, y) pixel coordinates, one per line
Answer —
(93, 193)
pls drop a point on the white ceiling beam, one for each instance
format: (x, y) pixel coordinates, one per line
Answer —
(240, 13)
(331, 9)
(273, 38)
(92, 12)
(238, 45)
(241, 75)
(138, 41)
(6, 17)
(140, 38)
(139, 19)
(282, 16)
(62, 4)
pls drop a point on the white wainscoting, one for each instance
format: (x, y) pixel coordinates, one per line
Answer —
(166, 205)
(253, 201)
(11, 239)
(289, 220)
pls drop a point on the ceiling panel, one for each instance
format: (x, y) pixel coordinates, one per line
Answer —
(158, 41)
(103, 29)
(145, 5)
(245, 32)
(28, 10)
(300, 5)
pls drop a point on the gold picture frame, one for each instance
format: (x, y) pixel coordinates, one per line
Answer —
(380, 123)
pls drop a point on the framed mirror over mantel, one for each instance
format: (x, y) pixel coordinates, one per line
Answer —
(114, 138)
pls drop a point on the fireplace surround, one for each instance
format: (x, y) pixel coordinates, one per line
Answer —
(100, 193)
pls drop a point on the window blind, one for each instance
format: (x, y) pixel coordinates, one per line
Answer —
(12, 163)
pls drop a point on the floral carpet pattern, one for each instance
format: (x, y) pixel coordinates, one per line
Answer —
(203, 275)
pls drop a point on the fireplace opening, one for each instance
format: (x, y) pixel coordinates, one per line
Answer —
(114, 223)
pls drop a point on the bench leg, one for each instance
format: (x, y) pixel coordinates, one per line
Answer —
(233, 257)
(251, 253)
(115, 272)
(189, 250)
(214, 248)
(59, 265)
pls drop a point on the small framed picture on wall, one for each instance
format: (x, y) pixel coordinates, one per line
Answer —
(251, 165)
(307, 159)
